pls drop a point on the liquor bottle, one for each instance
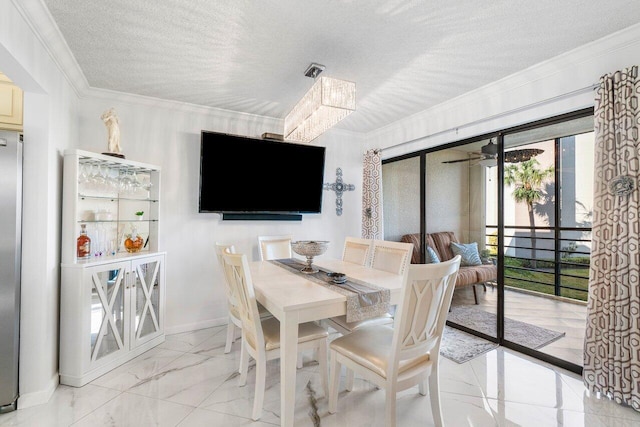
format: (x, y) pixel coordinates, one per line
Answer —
(84, 243)
(133, 242)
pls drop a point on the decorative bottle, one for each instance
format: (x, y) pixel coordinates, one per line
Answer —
(84, 243)
(133, 242)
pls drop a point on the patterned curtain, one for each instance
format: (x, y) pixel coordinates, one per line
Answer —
(372, 195)
(612, 341)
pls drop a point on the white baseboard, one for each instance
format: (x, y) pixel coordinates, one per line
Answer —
(39, 397)
(195, 326)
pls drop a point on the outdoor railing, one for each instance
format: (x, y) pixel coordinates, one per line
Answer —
(555, 263)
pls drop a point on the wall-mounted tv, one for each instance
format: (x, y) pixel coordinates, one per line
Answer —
(242, 175)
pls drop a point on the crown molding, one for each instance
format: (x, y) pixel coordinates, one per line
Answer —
(39, 19)
(44, 27)
(150, 101)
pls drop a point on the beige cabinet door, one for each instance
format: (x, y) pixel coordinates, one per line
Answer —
(10, 105)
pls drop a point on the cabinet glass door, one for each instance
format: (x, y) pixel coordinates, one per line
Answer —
(146, 300)
(107, 310)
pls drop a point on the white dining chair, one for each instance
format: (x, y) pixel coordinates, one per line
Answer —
(275, 247)
(390, 256)
(386, 255)
(261, 337)
(393, 257)
(356, 250)
(400, 357)
(234, 323)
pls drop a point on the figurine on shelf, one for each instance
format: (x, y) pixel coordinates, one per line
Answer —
(110, 120)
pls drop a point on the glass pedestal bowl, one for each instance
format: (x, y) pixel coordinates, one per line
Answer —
(309, 249)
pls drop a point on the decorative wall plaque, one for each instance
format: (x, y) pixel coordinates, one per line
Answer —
(339, 187)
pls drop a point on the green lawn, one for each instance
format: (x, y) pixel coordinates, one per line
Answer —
(520, 279)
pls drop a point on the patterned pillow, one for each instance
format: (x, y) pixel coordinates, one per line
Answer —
(431, 256)
(468, 252)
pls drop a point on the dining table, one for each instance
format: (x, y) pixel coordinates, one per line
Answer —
(293, 298)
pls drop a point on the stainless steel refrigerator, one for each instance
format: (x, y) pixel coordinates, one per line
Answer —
(10, 255)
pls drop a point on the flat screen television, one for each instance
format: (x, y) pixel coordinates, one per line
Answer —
(242, 175)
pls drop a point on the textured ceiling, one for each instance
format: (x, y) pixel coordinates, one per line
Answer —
(250, 56)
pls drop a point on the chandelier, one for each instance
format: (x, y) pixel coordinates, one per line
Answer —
(327, 102)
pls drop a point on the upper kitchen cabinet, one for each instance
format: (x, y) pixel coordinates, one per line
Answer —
(10, 105)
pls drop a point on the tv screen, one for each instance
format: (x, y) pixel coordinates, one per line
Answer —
(250, 175)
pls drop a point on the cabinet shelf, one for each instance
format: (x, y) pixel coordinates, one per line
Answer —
(116, 221)
(115, 198)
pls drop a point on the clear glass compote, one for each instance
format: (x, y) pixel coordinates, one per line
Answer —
(310, 249)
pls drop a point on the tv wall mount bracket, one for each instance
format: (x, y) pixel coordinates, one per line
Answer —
(339, 187)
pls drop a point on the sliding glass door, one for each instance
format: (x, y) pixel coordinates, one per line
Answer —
(461, 185)
(523, 197)
(547, 237)
(402, 202)
(436, 198)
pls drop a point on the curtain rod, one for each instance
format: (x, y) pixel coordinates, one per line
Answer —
(591, 87)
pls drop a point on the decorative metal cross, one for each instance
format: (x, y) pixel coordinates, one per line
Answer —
(339, 187)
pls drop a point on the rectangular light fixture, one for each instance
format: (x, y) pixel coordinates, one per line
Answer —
(327, 102)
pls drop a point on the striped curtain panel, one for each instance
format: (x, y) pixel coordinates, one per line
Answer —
(612, 341)
(372, 195)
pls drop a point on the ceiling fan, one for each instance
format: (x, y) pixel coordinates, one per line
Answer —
(489, 153)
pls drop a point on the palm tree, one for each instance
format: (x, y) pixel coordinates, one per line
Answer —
(527, 178)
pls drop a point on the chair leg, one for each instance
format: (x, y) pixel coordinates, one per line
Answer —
(334, 383)
(390, 405)
(350, 377)
(231, 335)
(261, 375)
(422, 388)
(475, 293)
(299, 361)
(244, 363)
(243, 355)
(434, 397)
(322, 360)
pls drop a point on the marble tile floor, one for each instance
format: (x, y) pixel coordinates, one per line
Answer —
(189, 381)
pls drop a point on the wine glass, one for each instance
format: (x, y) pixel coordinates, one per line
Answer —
(125, 182)
(136, 185)
(83, 176)
(100, 177)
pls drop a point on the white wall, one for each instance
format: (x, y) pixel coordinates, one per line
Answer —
(168, 134)
(50, 108)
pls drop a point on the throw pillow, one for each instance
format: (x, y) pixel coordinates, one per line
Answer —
(468, 252)
(431, 256)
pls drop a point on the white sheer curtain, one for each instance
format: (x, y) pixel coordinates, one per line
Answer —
(612, 340)
(372, 195)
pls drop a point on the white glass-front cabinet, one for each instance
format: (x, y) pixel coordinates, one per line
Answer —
(111, 301)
